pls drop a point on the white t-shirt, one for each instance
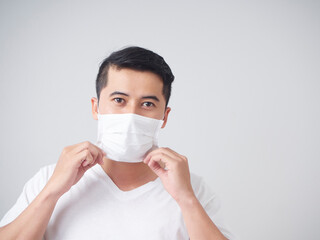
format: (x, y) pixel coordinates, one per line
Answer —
(95, 208)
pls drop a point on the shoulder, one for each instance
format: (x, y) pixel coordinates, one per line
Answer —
(43, 174)
(198, 184)
(36, 183)
(211, 203)
(30, 190)
(202, 190)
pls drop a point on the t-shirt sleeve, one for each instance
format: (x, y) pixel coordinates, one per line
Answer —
(30, 190)
(211, 204)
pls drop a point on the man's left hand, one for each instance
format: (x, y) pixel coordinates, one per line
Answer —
(173, 170)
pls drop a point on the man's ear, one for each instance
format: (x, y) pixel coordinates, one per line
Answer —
(94, 103)
(165, 119)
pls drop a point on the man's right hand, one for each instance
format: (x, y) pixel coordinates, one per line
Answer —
(74, 161)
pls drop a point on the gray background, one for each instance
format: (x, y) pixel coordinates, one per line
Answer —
(245, 102)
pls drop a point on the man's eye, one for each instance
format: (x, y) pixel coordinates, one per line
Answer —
(118, 100)
(148, 104)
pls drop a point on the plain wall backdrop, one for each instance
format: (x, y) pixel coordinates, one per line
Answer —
(245, 101)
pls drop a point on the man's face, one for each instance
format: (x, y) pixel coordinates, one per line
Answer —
(131, 91)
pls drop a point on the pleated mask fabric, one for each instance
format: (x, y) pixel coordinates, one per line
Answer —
(127, 137)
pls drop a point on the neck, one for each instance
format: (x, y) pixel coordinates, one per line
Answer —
(128, 176)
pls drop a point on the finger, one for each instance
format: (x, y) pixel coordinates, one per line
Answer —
(99, 160)
(94, 153)
(98, 149)
(80, 147)
(86, 145)
(172, 154)
(100, 154)
(89, 166)
(169, 150)
(86, 155)
(97, 153)
(177, 154)
(162, 151)
(149, 155)
(162, 157)
(156, 168)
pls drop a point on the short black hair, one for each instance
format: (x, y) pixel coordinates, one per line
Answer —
(140, 59)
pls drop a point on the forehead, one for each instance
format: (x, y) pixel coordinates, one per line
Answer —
(134, 82)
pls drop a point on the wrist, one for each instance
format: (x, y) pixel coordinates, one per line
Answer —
(188, 201)
(49, 193)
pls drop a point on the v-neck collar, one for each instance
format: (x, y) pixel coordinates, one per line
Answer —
(124, 195)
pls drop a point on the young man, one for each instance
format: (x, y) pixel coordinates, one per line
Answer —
(128, 187)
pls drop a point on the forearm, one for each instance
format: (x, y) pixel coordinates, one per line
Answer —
(198, 223)
(32, 222)
(74, 161)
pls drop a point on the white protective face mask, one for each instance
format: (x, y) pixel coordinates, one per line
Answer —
(127, 137)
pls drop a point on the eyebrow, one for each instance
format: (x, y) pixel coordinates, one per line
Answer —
(118, 93)
(151, 97)
(125, 94)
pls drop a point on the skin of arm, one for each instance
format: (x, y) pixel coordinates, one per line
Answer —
(198, 222)
(32, 222)
(176, 180)
(74, 161)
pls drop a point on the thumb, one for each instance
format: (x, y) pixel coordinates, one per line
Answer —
(156, 168)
